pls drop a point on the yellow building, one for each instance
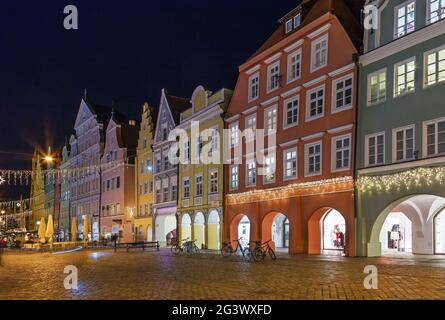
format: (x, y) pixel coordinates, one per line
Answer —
(37, 193)
(143, 223)
(200, 199)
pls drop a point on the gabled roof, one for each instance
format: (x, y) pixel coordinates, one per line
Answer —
(177, 106)
(348, 12)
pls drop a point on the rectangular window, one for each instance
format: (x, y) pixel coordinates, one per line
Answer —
(146, 209)
(342, 93)
(142, 167)
(289, 26)
(436, 10)
(250, 125)
(273, 76)
(270, 120)
(313, 158)
(294, 66)
(375, 148)
(186, 188)
(158, 162)
(214, 181)
(403, 144)
(213, 142)
(315, 103)
(297, 20)
(186, 147)
(291, 109)
(319, 53)
(158, 191)
(234, 134)
(404, 77)
(269, 168)
(118, 182)
(198, 186)
(290, 163)
(166, 160)
(434, 134)
(377, 87)
(341, 153)
(434, 66)
(145, 188)
(254, 86)
(165, 189)
(174, 187)
(405, 18)
(233, 177)
(251, 172)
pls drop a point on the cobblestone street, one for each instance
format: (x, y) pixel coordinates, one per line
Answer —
(159, 275)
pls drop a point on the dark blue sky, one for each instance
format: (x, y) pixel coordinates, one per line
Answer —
(124, 51)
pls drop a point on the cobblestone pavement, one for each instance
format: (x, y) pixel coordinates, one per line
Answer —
(159, 275)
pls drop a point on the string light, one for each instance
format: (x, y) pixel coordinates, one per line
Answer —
(292, 190)
(415, 177)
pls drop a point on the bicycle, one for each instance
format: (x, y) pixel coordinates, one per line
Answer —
(227, 249)
(178, 246)
(265, 249)
(256, 253)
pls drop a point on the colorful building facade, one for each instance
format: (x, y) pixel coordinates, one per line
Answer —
(401, 131)
(87, 146)
(166, 173)
(200, 200)
(65, 214)
(300, 88)
(118, 178)
(37, 193)
(144, 177)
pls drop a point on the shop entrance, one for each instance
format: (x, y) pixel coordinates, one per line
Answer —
(439, 233)
(333, 239)
(275, 227)
(165, 229)
(396, 234)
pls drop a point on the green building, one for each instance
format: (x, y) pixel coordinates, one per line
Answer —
(400, 193)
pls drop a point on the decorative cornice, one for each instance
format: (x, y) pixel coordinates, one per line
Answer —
(340, 129)
(319, 31)
(315, 81)
(427, 33)
(250, 110)
(273, 58)
(291, 92)
(232, 118)
(289, 143)
(341, 70)
(270, 101)
(293, 46)
(313, 136)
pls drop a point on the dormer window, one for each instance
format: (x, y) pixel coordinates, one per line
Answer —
(293, 23)
(289, 25)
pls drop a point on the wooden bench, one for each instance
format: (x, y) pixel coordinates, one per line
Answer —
(138, 245)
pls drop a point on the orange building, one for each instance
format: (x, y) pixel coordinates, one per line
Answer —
(301, 84)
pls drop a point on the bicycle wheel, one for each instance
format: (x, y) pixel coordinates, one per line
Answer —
(175, 250)
(226, 251)
(195, 249)
(258, 254)
(246, 254)
(272, 254)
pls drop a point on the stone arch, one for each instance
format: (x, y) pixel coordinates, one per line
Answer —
(235, 227)
(275, 219)
(199, 229)
(213, 230)
(186, 227)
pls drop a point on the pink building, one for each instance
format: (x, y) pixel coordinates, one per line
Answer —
(118, 185)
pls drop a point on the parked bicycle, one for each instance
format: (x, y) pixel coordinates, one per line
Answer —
(227, 249)
(255, 252)
(265, 249)
(184, 245)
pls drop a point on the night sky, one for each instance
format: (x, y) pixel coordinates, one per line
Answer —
(124, 51)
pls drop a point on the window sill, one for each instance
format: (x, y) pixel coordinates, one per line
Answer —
(376, 103)
(309, 119)
(401, 95)
(335, 110)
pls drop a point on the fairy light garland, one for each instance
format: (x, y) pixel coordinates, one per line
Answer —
(415, 177)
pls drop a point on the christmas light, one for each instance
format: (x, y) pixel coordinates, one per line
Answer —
(297, 189)
(415, 177)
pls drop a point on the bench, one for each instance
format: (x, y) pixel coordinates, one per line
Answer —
(137, 245)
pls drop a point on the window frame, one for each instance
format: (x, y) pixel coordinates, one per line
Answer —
(375, 135)
(271, 66)
(199, 175)
(297, 52)
(334, 108)
(308, 117)
(394, 143)
(285, 152)
(334, 150)
(314, 43)
(248, 161)
(231, 187)
(306, 159)
(267, 130)
(285, 111)
(237, 136)
(425, 137)
(396, 75)
(211, 171)
(428, 12)
(249, 93)
(370, 103)
(425, 67)
(272, 155)
(396, 18)
(246, 126)
(184, 186)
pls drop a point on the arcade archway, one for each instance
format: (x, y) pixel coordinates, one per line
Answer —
(199, 229)
(213, 231)
(275, 227)
(186, 227)
(240, 228)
